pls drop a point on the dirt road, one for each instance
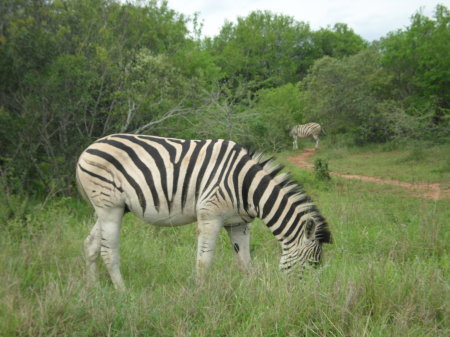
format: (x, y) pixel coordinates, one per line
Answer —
(433, 191)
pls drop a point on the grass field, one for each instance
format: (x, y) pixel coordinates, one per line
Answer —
(415, 162)
(387, 273)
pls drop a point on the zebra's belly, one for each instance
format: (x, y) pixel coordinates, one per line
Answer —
(187, 216)
(168, 219)
(231, 219)
(171, 220)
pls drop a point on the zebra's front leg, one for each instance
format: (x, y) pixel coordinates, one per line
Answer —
(240, 239)
(294, 143)
(208, 230)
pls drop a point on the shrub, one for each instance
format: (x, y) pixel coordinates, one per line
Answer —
(321, 169)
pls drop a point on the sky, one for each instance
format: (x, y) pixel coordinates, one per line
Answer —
(371, 19)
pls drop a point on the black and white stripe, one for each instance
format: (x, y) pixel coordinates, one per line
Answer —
(167, 182)
(305, 131)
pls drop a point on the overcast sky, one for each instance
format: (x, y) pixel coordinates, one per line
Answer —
(371, 19)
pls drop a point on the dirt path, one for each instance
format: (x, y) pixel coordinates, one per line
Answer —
(433, 191)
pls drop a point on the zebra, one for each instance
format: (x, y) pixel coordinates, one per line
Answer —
(171, 182)
(305, 131)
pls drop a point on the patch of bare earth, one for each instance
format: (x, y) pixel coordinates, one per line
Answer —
(433, 191)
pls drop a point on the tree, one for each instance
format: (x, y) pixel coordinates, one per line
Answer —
(342, 95)
(275, 113)
(266, 48)
(67, 70)
(155, 91)
(338, 41)
(226, 112)
(418, 62)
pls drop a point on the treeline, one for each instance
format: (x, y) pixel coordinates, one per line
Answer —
(74, 70)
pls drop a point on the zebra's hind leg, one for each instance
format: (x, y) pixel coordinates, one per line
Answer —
(92, 251)
(316, 138)
(240, 239)
(208, 230)
(109, 220)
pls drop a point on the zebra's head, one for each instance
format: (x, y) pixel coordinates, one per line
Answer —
(307, 250)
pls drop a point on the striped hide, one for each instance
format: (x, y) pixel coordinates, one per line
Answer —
(216, 183)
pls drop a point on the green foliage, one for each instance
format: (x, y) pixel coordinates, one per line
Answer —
(339, 41)
(13, 208)
(418, 60)
(222, 113)
(155, 90)
(339, 94)
(276, 111)
(321, 169)
(73, 71)
(69, 70)
(264, 47)
(361, 94)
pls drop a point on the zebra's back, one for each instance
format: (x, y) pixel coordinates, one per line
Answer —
(308, 130)
(162, 180)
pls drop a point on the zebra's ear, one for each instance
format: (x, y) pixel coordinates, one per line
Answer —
(310, 229)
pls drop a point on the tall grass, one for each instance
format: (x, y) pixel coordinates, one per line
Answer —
(385, 275)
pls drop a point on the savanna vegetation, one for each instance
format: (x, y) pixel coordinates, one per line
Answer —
(74, 70)
(386, 274)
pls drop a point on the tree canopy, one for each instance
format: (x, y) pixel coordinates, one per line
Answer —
(74, 70)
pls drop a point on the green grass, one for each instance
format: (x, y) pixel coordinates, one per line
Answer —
(385, 275)
(416, 163)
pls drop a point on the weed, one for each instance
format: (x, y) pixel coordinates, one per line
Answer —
(321, 169)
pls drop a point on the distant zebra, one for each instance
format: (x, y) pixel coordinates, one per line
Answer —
(170, 182)
(305, 131)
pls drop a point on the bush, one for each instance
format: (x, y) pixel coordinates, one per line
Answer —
(321, 169)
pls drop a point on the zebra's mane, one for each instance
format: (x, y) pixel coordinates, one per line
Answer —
(293, 190)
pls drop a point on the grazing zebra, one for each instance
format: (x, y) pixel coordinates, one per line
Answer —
(305, 131)
(170, 182)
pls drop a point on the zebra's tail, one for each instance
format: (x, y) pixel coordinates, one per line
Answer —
(323, 131)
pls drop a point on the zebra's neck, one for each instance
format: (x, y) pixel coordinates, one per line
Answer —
(280, 204)
(287, 216)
